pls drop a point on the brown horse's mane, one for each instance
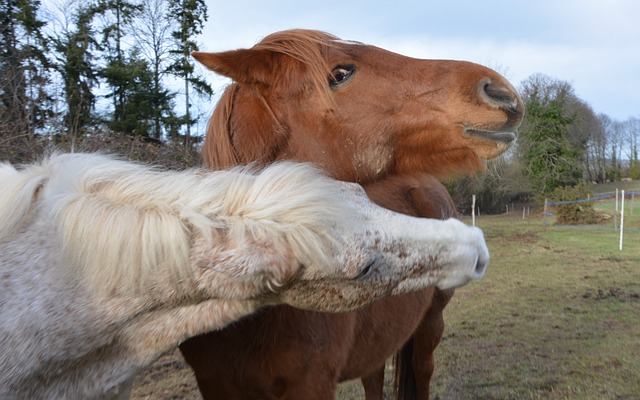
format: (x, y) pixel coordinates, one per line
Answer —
(222, 154)
(305, 46)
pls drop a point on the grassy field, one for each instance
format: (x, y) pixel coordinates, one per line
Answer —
(557, 316)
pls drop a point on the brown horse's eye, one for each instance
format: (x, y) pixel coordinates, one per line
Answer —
(340, 75)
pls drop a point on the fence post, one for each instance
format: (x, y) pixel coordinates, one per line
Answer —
(473, 210)
(621, 220)
(544, 213)
(615, 214)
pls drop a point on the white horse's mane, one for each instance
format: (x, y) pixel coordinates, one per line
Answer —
(123, 223)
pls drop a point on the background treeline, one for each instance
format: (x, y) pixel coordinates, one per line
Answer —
(87, 68)
(562, 143)
(116, 74)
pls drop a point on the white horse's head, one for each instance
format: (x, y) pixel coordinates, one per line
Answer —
(295, 236)
(286, 233)
(336, 250)
(399, 253)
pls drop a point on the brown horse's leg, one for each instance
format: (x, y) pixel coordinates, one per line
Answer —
(404, 384)
(374, 384)
(425, 340)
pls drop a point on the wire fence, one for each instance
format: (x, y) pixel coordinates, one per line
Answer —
(604, 196)
(603, 201)
(618, 209)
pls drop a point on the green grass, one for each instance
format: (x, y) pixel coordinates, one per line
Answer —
(628, 186)
(557, 316)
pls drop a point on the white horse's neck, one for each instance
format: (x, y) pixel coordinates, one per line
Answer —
(116, 337)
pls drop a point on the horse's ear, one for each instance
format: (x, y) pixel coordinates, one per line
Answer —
(243, 65)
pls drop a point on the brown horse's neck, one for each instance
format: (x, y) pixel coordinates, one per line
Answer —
(250, 134)
(418, 195)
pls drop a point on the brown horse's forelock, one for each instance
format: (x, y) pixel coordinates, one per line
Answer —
(304, 46)
(307, 47)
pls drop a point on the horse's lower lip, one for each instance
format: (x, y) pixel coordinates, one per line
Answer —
(505, 137)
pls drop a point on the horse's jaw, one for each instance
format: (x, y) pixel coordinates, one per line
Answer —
(487, 144)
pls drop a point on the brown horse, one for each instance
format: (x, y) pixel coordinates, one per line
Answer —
(366, 115)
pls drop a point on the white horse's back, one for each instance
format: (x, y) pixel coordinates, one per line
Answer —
(18, 192)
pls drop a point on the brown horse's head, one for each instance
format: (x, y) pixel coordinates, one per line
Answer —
(359, 111)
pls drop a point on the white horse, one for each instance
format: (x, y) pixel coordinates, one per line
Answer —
(106, 264)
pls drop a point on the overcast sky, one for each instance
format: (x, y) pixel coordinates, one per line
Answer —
(594, 45)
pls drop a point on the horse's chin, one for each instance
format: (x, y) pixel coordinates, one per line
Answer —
(488, 145)
(507, 137)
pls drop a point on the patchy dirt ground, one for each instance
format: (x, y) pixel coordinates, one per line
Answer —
(170, 378)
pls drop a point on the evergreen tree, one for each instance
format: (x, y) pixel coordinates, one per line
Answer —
(190, 16)
(549, 159)
(25, 104)
(118, 74)
(75, 64)
(138, 111)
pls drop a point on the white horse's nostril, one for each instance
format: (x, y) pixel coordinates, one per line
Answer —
(366, 269)
(481, 267)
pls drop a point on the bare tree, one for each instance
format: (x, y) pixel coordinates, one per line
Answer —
(631, 130)
(153, 37)
(614, 132)
(596, 154)
(585, 133)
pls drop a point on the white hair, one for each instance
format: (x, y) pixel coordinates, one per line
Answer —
(124, 225)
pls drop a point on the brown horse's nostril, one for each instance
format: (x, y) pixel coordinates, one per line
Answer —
(503, 96)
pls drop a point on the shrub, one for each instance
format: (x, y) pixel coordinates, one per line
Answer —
(173, 155)
(502, 183)
(578, 213)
